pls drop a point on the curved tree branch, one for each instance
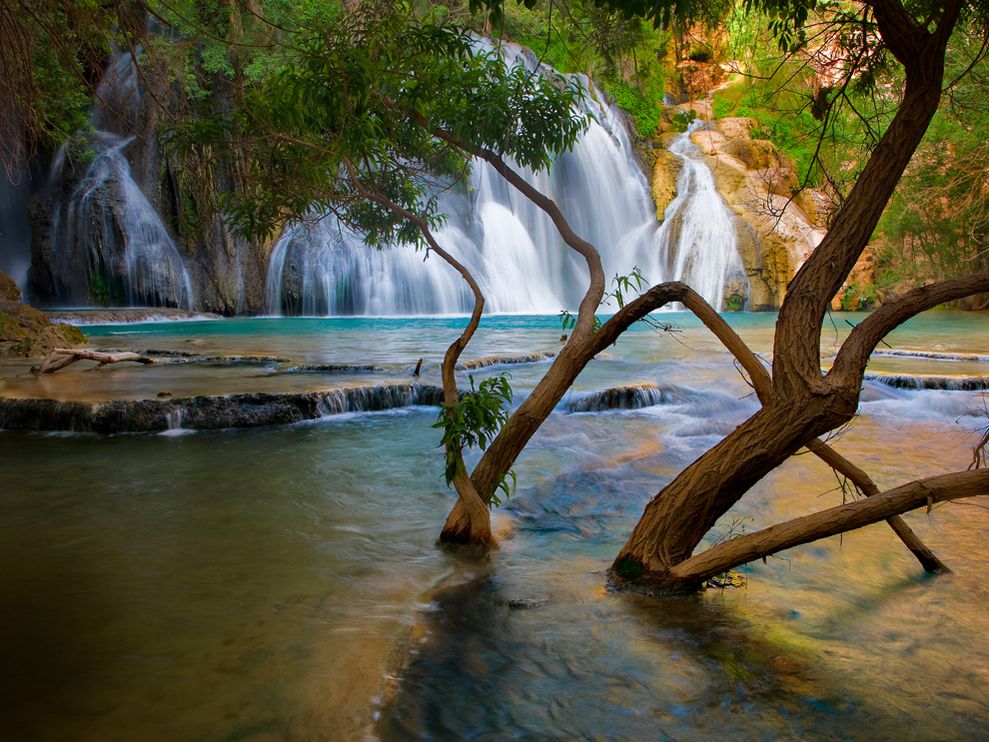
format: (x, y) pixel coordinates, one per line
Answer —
(595, 291)
(479, 515)
(901, 33)
(796, 363)
(850, 516)
(762, 383)
(849, 364)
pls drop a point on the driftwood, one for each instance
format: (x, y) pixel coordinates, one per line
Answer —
(52, 363)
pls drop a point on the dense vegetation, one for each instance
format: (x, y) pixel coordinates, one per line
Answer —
(935, 226)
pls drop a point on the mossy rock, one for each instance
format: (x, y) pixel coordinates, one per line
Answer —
(26, 331)
(9, 291)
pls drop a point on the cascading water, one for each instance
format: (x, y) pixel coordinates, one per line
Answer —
(511, 246)
(698, 240)
(107, 242)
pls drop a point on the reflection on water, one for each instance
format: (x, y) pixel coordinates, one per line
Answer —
(259, 584)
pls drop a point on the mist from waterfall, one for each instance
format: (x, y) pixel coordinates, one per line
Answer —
(512, 247)
(15, 229)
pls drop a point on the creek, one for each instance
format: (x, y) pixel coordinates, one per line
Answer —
(283, 581)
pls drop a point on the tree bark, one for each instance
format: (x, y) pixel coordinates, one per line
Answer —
(802, 403)
(691, 573)
(798, 336)
(72, 355)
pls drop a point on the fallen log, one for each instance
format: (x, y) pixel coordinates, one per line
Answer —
(53, 363)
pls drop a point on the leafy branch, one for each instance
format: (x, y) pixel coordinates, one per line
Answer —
(475, 420)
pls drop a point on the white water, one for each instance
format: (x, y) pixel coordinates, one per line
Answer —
(511, 246)
(111, 246)
(698, 239)
(108, 242)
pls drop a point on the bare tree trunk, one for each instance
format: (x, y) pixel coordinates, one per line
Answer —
(802, 403)
(691, 573)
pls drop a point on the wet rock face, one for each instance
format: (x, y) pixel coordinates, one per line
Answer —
(665, 171)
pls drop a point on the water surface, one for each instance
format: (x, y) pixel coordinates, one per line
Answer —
(261, 584)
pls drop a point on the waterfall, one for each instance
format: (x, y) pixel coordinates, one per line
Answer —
(106, 242)
(698, 242)
(632, 397)
(511, 246)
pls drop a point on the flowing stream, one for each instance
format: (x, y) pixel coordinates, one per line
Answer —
(283, 582)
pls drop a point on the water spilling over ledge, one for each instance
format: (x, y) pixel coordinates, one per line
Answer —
(208, 412)
(631, 397)
(934, 355)
(924, 381)
(505, 360)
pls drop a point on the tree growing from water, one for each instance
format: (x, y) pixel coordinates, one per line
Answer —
(369, 111)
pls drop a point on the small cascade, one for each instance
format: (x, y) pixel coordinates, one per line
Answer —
(209, 412)
(173, 419)
(107, 244)
(924, 381)
(632, 397)
(505, 360)
(511, 246)
(698, 242)
(933, 355)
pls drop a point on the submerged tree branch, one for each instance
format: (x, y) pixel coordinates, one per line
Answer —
(762, 383)
(847, 517)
